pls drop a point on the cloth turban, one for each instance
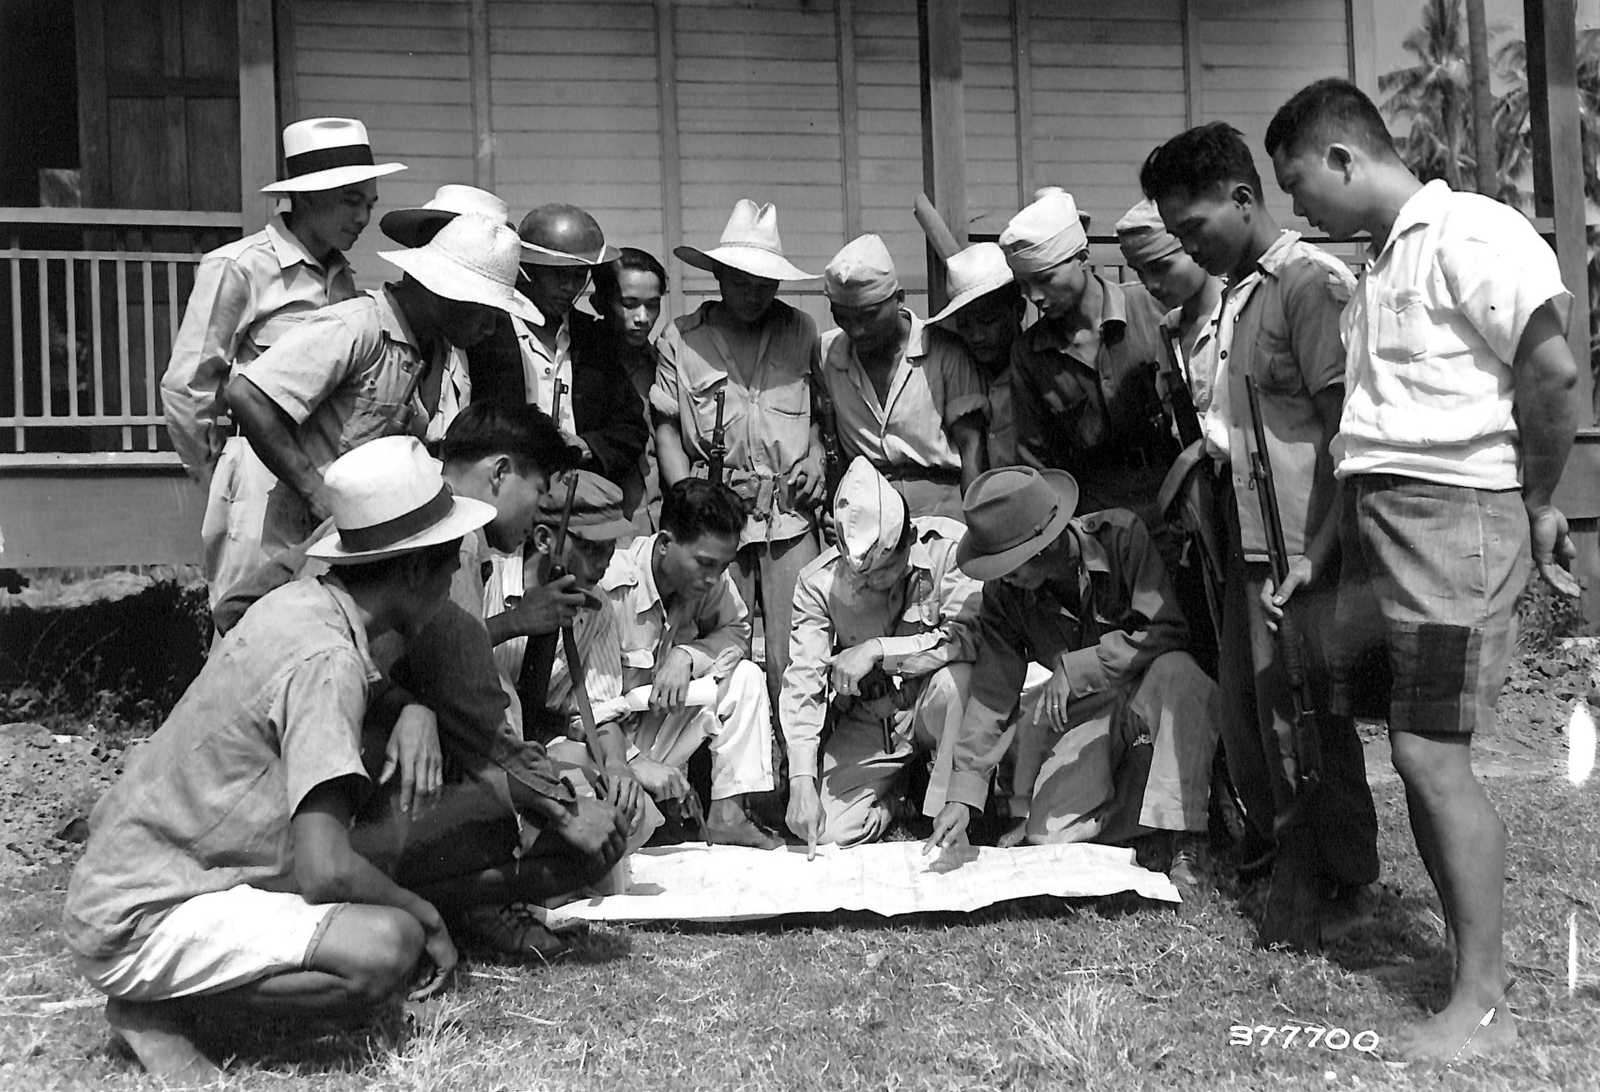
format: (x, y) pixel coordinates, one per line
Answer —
(1044, 234)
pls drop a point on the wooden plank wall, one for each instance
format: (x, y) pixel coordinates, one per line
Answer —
(576, 91)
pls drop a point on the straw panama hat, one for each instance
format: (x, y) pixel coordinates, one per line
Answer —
(750, 244)
(389, 498)
(972, 273)
(414, 227)
(474, 260)
(1013, 513)
(325, 154)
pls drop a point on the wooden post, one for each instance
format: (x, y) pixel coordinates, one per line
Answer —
(1558, 163)
(1361, 26)
(1484, 150)
(1193, 98)
(1022, 65)
(482, 104)
(671, 158)
(849, 117)
(258, 112)
(943, 126)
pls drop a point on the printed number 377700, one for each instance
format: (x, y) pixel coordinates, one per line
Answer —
(1303, 1035)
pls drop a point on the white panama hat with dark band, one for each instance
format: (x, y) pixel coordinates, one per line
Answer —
(389, 498)
(325, 154)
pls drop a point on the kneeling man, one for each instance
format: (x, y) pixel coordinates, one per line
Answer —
(881, 620)
(680, 620)
(221, 866)
(1117, 746)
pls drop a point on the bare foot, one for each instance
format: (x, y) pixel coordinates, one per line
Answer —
(728, 825)
(1457, 1033)
(158, 1034)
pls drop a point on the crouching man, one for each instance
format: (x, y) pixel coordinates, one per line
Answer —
(680, 619)
(881, 620)
(220, 871)
(1116, 748)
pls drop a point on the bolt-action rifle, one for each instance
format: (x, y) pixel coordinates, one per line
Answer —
(717, 454)
(1291, 912)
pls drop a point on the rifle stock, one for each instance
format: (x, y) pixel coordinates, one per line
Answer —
(717, 456)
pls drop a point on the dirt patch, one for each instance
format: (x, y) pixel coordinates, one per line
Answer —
(49, 783)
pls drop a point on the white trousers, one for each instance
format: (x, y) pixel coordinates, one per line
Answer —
(739, 728)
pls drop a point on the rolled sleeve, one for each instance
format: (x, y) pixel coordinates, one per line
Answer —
(964, 389)
(664, 391)
(309, 363)
(803, 703)
(1498, 284)
(323, 704)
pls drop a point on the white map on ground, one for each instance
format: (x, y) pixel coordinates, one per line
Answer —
(696, 882)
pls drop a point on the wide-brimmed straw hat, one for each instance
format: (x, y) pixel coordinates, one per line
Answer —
(472, 259)
(750, 244)
(388, 498)
(326, 153)
(971, 274)
(415, 227)
(1013, 513)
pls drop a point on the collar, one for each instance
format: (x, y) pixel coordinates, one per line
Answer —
(700, 316)
(630, 568)
(1276, 255)
(1094, 556)
(916, 344)
(1423, 207)
(290, 251)
(347, 607)
(1112, 321)
(393, 320)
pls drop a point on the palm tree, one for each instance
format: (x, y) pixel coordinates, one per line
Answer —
(1513, 133)
(1435, 95)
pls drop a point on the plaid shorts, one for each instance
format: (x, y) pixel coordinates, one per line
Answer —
(1429, 581)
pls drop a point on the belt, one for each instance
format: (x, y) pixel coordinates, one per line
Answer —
(944, 475)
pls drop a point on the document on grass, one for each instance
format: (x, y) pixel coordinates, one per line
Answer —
(696, 882)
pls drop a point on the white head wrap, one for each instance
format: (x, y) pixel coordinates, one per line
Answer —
(1044, 234)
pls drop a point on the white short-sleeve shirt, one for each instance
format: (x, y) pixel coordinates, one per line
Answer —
(1430, 335)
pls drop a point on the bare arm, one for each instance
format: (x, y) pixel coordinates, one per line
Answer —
(327, 867)
(968, 436)
(1544, 374)
(670, 456)
(271, 433)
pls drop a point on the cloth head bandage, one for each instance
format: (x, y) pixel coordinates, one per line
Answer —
(868, 514)
(861, 274)
(1142, 235)
(1044, 234)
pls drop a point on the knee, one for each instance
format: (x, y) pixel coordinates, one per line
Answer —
(1431, 768)
(746, 680)
(392, 943)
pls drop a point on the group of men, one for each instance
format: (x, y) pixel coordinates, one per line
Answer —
(485, 567)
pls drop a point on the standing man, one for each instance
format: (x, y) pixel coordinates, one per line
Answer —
(366, 368)
(905, 397)
(1085, 373)
(221, 874)
(681, 621)
(1278, 325)
(760, 355)
(247, 294)
(985, 312)
(1117, 746)
(1458, 417)
(1168, 273)
(882, 624)
(524, 360)
(627, 296)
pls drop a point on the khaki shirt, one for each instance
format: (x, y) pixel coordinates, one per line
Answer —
(347, 374)
(205, 805)
(766, 414)
(715, 631)
(933, 385)
(1103, 634)
(1086, 399)
(246, 296)
(922, 624)
(1280, 325)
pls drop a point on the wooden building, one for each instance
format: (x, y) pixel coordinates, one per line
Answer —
(654, 114)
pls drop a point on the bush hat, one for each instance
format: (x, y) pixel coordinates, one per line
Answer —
(325, 154)
(388, 498)
(868, 515)
(750, 244)
(1012, 514)
(471, 259)
(416, 227)
(971, 274)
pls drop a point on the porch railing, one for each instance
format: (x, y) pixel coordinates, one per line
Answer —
(89, 302)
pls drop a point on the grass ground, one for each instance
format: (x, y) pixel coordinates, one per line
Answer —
(1035, 995)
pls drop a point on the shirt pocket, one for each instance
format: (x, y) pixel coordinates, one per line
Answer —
(791, 399)
(1400, 326)
(384, 405)
(703, 403)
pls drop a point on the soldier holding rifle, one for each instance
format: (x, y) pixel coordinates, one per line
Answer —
(1278, 326)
